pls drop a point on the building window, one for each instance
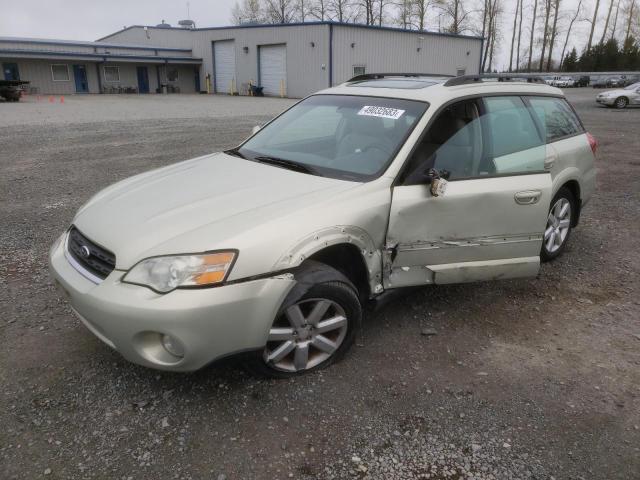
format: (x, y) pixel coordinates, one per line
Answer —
(60, 73)
(460, 71)
(111, 74)
(358, 70)
(172, 74)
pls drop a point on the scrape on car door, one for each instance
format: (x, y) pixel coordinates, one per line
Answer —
(489, 223)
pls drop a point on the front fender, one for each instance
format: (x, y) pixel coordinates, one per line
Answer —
(307, 246)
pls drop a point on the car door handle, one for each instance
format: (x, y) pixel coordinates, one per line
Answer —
(527, 197)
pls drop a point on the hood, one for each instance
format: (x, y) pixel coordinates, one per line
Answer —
(194, 206)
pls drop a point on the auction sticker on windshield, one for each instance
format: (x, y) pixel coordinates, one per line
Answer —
(383, 112)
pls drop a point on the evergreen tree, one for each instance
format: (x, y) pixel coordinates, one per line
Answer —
(570, 63)
(610, 56)
(630, 55)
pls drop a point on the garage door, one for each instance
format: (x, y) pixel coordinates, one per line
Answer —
(224, 70)
(273, 68)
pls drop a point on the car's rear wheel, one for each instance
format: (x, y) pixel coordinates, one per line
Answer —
(621, 102)
(559, 221)
(315, 326)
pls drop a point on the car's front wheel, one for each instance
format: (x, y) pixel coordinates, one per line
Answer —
(316, 324)
(621, 102)
(558, 229)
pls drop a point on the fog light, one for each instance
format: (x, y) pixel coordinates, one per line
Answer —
(173, 346)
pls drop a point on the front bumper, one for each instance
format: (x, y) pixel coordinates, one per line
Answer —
(609, 101)
(209, 323)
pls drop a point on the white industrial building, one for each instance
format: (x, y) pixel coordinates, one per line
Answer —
(291, 60)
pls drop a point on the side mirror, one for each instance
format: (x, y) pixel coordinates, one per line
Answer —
(255, 129)
(437, 181)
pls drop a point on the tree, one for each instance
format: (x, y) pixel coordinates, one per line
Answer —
(513, 35)
(629, 20)
(606, 23)
(250, 11)
(566, 40)
(341, 10)
(548, 5)
(404, 13)
(419, 11)
(279, 11)
(303, 9)
(519, 37)
(554, 31)
(570, 63)
(630, 55)
(320, 10)
(593, 24)
(458, 13)
(615, 20)
(533, 28)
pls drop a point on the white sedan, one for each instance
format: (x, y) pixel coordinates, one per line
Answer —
(621, 97)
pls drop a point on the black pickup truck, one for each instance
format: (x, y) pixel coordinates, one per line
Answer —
(10, 89)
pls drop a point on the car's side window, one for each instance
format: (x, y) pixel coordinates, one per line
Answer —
(514, 143)
(556, 117)
(453, 143)
(470, 139)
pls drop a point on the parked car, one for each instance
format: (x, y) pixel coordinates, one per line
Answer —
(582, 81)
(275, 246)
(621, 97)
(602, 82)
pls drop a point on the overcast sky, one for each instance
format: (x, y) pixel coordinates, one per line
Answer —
(92, 19)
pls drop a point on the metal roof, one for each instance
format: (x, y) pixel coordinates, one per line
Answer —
(79, 43)
(297, 24)
(98, 56)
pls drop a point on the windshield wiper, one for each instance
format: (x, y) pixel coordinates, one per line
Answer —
(289, 164)
(235, 152)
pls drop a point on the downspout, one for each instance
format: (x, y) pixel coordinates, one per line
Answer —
(330, 55)
(481, 50)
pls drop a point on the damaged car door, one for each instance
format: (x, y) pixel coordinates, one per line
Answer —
(488, 222)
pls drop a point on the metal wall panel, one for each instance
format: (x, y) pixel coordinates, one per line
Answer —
(386, 51)
(307, 51)
(38, 72)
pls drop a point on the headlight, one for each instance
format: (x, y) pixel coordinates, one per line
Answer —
(164, 274)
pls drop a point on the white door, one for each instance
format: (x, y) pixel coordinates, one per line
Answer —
(224, 70)
(273, 69)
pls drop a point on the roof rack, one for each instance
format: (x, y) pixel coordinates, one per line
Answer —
(467, 79)
(375, 76)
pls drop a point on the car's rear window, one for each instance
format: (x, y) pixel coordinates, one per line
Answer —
(556, 117)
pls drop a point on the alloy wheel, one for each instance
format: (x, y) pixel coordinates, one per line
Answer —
(621, 102)
(558, 225)
(305, 335)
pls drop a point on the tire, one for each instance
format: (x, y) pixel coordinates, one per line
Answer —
(559, 223)
(315, 326)
(621, 102)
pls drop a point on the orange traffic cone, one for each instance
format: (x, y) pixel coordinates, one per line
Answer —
(61, 98)
(51, 100)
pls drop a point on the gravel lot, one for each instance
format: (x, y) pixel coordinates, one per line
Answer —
(526, 379)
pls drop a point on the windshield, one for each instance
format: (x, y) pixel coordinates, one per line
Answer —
(633, 86)
(339, 136)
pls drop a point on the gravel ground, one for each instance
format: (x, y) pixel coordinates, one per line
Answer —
(526, 379)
